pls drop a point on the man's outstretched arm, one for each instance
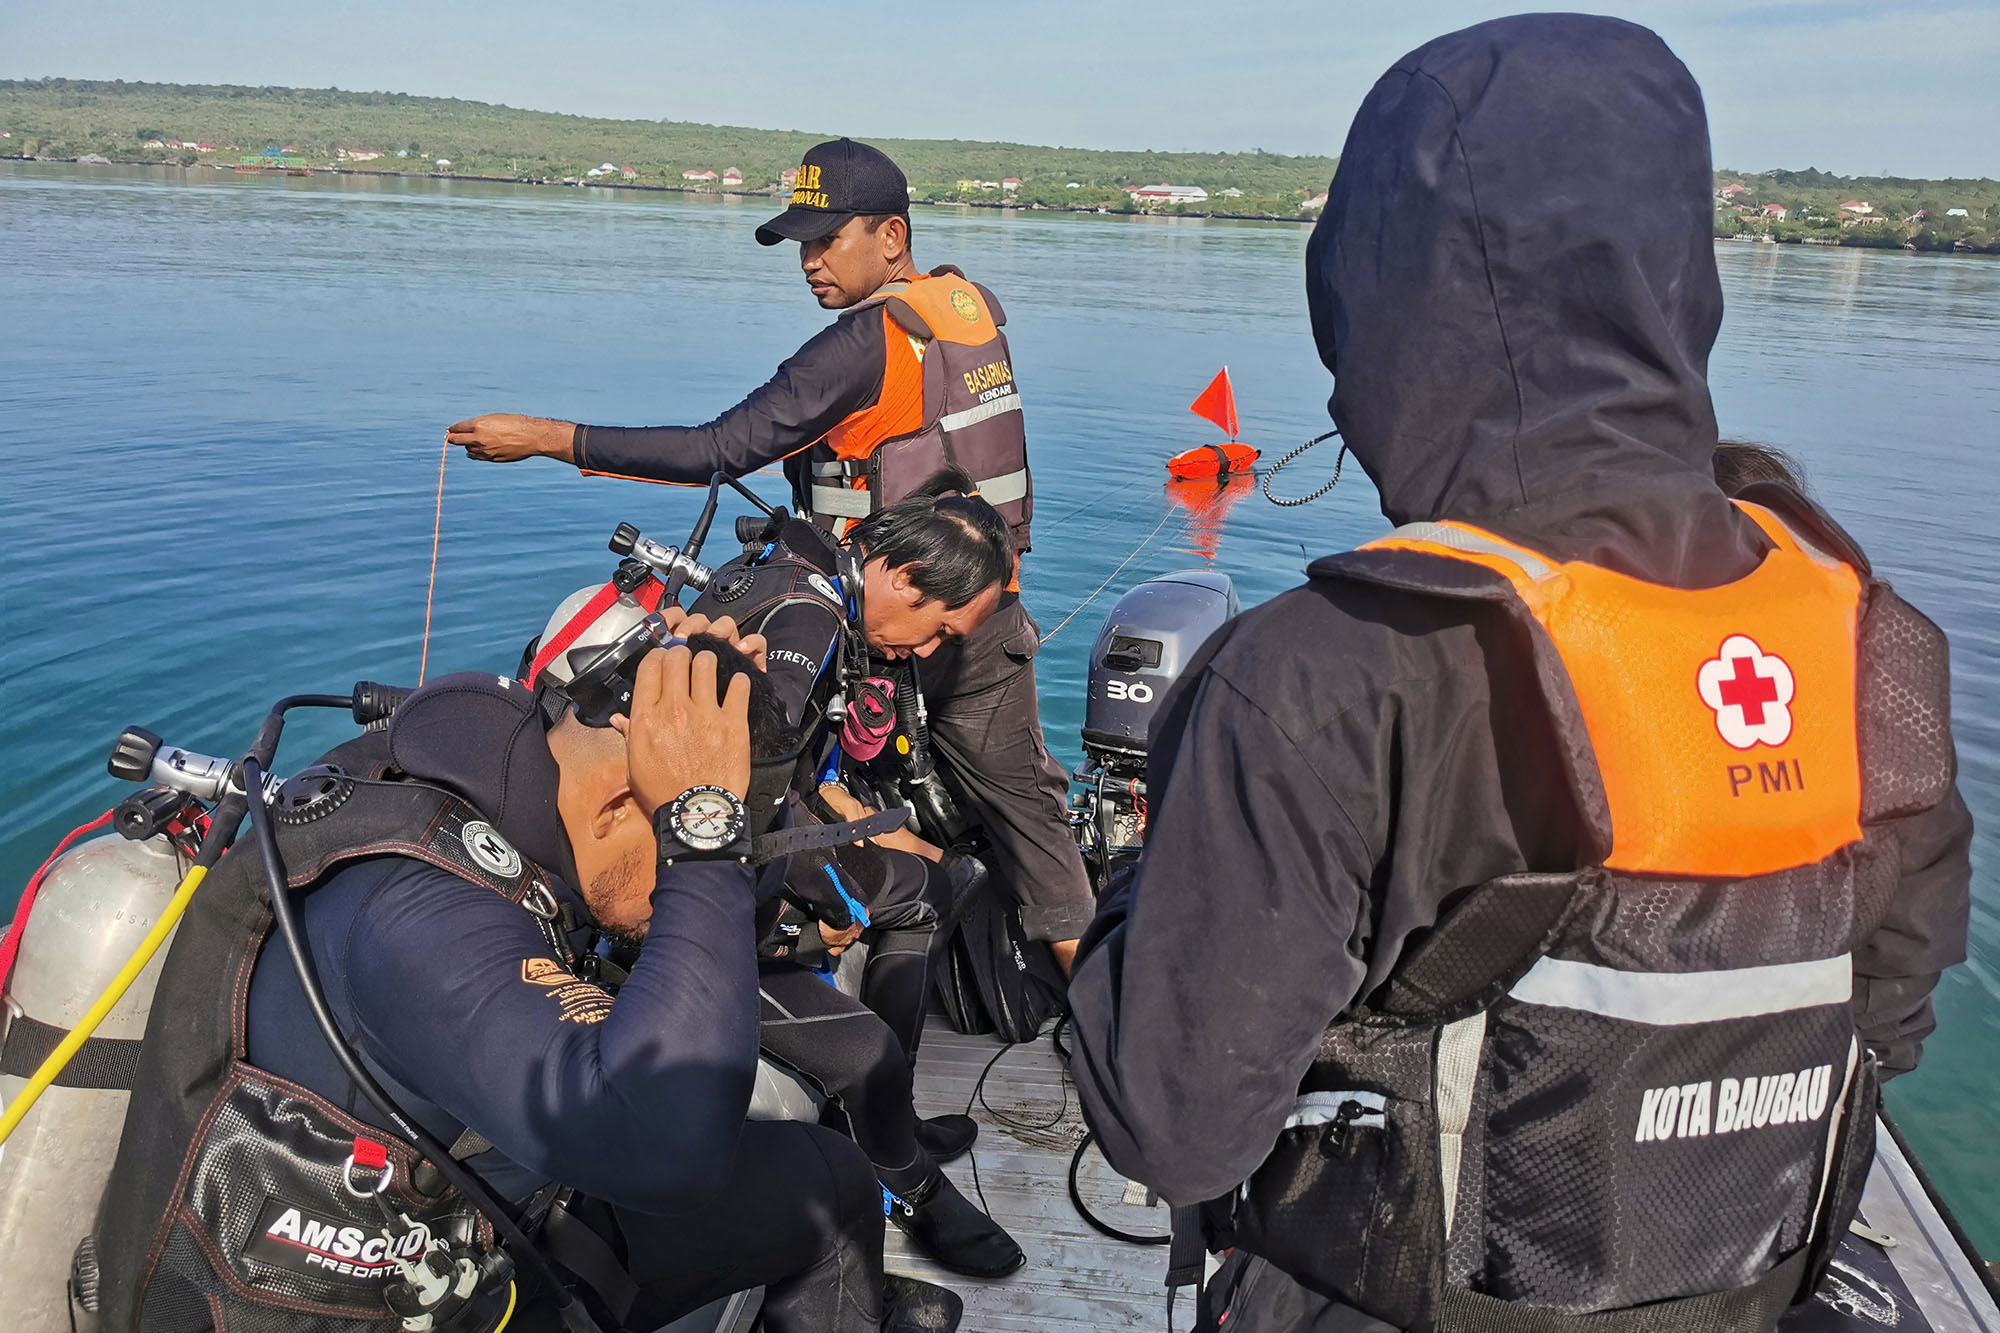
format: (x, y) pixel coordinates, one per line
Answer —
(837, 373)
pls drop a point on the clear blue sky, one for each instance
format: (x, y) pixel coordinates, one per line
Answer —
(1854, 86)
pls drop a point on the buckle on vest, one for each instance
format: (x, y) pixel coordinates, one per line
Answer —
(540, 902)
(388, 1170)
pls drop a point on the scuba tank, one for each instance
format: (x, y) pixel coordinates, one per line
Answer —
(84, 914)
(96, 902)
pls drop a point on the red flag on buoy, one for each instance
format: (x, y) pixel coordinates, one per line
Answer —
(1218, 403)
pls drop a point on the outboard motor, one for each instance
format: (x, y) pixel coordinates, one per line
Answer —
(1147, 640)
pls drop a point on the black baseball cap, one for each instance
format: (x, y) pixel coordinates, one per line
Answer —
(838, 180)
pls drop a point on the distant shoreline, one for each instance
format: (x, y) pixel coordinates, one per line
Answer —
(996, 205)
(1859, 242)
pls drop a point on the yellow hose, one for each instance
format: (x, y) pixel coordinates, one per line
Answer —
(66, 1049)
(508, 1318)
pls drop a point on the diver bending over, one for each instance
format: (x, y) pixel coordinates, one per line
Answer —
(924, 561)
(492, 1020)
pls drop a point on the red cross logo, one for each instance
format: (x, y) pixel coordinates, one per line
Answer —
(1750, 691)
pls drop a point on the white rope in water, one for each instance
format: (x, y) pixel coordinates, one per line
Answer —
(1144, 542)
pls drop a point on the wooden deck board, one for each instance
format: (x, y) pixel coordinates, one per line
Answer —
(1075, 1278)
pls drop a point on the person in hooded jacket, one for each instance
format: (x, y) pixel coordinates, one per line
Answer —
(1393, 995)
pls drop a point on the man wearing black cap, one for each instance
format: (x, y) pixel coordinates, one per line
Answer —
(913, 377)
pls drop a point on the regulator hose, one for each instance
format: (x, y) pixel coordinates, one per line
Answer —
(526, 1253)
(220, 831)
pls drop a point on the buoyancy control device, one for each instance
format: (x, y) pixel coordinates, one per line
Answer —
(410, 1252)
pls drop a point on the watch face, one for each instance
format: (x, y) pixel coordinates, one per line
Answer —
(707, 819)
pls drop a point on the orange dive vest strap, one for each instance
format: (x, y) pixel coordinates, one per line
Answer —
(1723, 719)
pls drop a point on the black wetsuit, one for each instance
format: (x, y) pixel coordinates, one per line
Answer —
(859, 1051)
(452, 997)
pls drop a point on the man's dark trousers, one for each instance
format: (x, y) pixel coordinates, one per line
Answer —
(986, 728)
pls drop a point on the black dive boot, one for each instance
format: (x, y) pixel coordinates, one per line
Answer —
(951, 1232)
(910, 1306)
(947, 1137)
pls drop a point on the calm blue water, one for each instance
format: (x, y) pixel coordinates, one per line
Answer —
(221, 401)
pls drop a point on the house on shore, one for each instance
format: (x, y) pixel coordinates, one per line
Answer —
(1314, 204)
(1168, 194)
(788, 178)
(692, 175)
(1010, 184)
(1776, 212)
(732, 177)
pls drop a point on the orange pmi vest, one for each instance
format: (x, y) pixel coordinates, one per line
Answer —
(1689, 699)
(948, 399)
(1629, 1087)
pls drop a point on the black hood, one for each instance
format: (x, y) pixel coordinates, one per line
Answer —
(1514, 284)
(482, 736)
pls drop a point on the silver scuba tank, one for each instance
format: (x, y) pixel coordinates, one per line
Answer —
(95, 905)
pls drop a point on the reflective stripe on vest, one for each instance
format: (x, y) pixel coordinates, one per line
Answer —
(844, 501)
(1723, 719)
(1677, 999)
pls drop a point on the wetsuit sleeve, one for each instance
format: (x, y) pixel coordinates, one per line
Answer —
(1897, 968)
(801, 639)
(1188, 1054)
(637, 1101)
(837, 373)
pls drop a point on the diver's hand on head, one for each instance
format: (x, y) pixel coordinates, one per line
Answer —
(679, 736)
(686, 626)
(509, 437)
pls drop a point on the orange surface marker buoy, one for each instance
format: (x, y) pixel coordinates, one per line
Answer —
(1212, 461)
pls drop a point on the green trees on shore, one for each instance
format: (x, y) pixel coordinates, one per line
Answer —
(1875, 212)
(72, 118)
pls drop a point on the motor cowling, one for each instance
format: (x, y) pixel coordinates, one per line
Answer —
(95, 904)
(1147, 639)
(1146, 643)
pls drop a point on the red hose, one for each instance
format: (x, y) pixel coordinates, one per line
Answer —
(12, 944)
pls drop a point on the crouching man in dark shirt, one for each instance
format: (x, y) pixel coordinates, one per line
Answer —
(501, 1032)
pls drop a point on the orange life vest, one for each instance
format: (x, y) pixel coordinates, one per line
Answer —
(1629, 1087)
(1688, 697)
(948, 399)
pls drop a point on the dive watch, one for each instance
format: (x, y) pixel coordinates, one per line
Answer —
(705, 823)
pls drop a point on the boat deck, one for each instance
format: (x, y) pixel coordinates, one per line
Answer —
(1075, 1277)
